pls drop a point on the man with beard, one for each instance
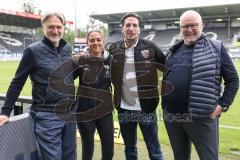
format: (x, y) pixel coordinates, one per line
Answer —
(134, 76)
(195, 68)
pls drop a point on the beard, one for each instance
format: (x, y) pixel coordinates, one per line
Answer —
(192, 40)
(130, 42)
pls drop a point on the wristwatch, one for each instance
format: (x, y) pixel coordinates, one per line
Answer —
(224, 109)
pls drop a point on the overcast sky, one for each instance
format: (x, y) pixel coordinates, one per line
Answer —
(87, 7)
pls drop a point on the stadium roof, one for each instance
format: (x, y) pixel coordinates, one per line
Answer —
(207, 12)
(21, 19)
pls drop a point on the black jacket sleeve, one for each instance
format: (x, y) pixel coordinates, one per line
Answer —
(230, 77)
(161, 59)
(160, 55)
(25, 67)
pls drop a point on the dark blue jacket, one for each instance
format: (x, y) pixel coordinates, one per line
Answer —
(210, 63)
(39, 61)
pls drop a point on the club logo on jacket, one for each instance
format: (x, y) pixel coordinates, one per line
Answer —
(145, 53)
(106, 67)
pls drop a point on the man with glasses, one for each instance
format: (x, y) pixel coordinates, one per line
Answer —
(195, 68)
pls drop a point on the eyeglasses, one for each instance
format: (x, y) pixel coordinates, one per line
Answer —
(193, 26)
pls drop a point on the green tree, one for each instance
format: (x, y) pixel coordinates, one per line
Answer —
(92, 25)
(69, 36)
(39, 31)
(97, 25)
(81, 33)
(28, 7)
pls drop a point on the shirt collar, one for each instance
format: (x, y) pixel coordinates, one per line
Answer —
(46, 41)
(132, 46)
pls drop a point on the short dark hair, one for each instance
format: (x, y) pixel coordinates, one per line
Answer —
(131, 15)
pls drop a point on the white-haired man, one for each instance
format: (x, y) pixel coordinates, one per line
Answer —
(195, 68)
(56, 138)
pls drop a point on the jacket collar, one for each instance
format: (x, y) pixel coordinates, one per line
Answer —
(46, 41)
(122, 43)
(179, 43)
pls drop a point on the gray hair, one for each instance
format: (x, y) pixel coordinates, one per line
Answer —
(47, 15)
(193, 13)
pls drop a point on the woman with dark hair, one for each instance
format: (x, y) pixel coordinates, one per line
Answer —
(94, 82)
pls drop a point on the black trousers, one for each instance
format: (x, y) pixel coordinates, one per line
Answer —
(104, 127)
(203, 133)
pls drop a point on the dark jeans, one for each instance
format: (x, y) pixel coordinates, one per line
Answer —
(128, 121)
(56, 138)
(202, 132)
(104, 127)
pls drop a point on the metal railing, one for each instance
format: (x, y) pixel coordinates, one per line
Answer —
(19, 106)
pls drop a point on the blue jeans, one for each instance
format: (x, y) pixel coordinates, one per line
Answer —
(128, 121)
(56, 138)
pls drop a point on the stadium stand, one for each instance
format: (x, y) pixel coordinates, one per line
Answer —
(222, 34)
(221, 22)
(115, 36)
(17, 31)
(165, 39)
(3, 50)
(16, 42)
